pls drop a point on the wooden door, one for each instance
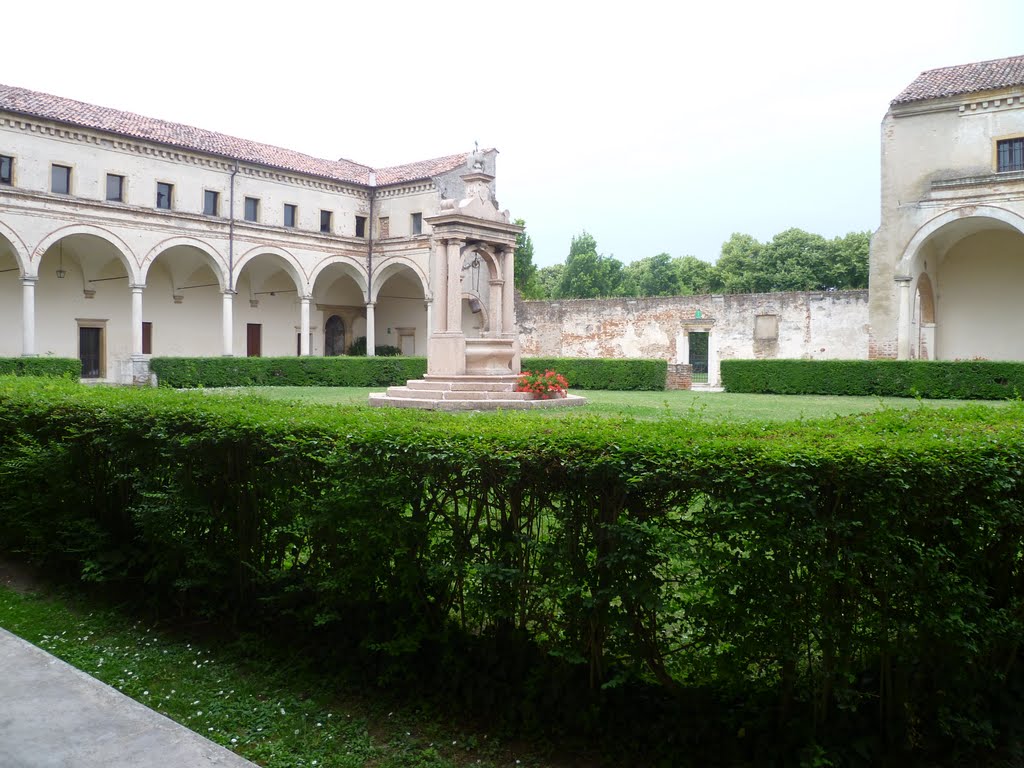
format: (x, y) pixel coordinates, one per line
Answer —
(90, 347)
(253, 339)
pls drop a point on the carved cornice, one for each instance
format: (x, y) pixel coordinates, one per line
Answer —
(1016, 101)
(405, 191)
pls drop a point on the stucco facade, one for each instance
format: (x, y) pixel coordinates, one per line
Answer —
(947, 262)
(123, 237)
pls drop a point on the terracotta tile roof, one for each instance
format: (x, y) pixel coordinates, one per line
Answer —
(965, 78)
(424, 169)
(59, 109)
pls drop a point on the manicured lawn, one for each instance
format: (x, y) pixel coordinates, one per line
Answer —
(651, 405)
(276, 711)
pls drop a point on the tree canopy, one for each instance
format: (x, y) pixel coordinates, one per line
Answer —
(793, 260)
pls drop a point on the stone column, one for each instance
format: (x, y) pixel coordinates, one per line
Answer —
(508, 296)
(497, 308)
(371, 341)
(304, 325)
(428, 305)
(439, 286)
(228, 325)
(137, 320)
(903, 322)
(28, 316)
(454, 303)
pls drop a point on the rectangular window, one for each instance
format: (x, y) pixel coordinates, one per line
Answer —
(163, 195)
(252, 209)
(326, 221)
(291, 214)
(1010, 155)
(115, 188)
(60, 179)
(147, 338)
(360, 226)
(211, 203)
(6, 169)
(417, 223)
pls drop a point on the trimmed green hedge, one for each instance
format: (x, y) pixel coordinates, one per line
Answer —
(845, 592)
(189, 372)
(940, 379)
(41, 366)
(603, 373)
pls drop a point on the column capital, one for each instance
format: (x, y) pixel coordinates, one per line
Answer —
(229, 292)
(371, 303)
(306, 299)
(903, 280)
(497, 281)
(137, 286)
(29, 279)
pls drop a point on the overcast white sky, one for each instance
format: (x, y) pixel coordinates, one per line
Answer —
(654, 126)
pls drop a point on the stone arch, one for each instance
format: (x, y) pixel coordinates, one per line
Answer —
(21, 253)
(211, 257)
(490, 258)
(349, 266)
(383, 272)
(907, 264)
(288, 262)
(121, 248)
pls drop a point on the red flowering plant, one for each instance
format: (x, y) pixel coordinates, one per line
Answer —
(545, 386)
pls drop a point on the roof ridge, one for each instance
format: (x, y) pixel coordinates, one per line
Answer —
(183, 136)
(960, 79)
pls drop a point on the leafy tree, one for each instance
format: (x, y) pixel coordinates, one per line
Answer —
(548, 280)
(653, 276)
(848, 260)
(697, 276)
(794, 260)
(525, 269)
(737, 263)
(587, 274)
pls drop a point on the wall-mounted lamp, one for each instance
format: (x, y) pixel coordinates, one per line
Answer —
(61, 272)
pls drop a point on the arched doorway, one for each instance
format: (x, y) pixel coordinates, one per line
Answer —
(923, 338)
(964, 274)
(334, 337)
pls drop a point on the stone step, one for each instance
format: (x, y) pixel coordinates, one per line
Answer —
(411, 393)
(461, 386)
(383, 400)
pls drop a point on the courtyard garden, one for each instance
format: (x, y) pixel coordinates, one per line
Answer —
(662, 578)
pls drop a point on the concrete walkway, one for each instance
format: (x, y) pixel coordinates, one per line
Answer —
(54, 716)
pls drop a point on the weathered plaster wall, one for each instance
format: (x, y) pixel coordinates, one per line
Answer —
(809, 325)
